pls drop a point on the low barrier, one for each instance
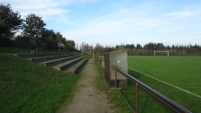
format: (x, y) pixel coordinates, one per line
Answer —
(173, 106)
(168, 103)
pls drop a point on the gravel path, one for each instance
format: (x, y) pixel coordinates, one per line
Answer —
(88, 99)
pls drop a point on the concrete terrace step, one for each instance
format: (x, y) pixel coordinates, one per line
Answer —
(58, 61)
(68, 64)
(64, 62)
(77, 67)
(46, 58)
(35, 55)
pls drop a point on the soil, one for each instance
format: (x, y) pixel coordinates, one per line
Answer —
(88, 99)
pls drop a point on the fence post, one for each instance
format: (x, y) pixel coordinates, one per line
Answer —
(136, 98)
(115, 78)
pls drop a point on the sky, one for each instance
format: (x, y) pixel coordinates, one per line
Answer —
(116, 22)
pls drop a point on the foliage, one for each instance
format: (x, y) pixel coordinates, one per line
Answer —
(34, 34)
(99, 48)
(34, 26)
(10, 23)
(49, 39)
(70, 45)
(22, 42)
(4, 28)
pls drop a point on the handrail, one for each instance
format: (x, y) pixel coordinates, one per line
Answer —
(163, 99)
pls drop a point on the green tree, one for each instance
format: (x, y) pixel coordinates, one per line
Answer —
(70, 45)
(34, 26)
(22, 42)
(10, 23)
(49, 39)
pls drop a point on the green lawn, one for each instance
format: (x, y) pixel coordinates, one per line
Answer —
(182, 72)
(27, 87)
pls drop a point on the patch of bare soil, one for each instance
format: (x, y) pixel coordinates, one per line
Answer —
(88, 99)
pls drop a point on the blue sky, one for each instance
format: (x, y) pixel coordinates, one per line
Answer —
(112, 22)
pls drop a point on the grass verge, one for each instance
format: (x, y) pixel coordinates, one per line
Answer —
(28, 87)
(114, 96)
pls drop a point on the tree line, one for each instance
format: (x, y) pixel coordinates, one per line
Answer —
(149, 48)
(31, 32)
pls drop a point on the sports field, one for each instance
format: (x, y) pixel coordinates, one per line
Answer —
(178, 78)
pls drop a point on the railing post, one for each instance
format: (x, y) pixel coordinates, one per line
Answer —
(158, 96)
(136, 98)
(115, 78)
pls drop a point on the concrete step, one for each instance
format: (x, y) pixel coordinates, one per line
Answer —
(53, 62)
(67, 64)
(77, 67)
(46, 58)
(35, 55)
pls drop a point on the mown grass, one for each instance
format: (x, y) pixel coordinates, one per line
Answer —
(100, 79)
(183, 72)
(26, 87)
(114, 96)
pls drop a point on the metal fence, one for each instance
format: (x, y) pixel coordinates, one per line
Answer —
(116, 81)
(173, 106)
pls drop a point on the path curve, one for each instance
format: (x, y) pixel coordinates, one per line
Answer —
(88, 99)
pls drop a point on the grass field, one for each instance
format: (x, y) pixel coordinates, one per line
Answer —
(27, 87)
(182, 75)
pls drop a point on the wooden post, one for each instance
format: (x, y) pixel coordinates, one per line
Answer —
(115, 78)
(137, 98)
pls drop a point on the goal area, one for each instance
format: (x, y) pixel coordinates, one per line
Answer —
(161, 53)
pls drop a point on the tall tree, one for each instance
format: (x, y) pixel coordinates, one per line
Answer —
(10, 23)
(49, 40)
(34, 26)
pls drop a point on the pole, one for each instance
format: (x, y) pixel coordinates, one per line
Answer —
(137, 98)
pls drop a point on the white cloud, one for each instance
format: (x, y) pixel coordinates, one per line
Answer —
(44, 8)
(140, 23)
(130, 26)
(119, 27)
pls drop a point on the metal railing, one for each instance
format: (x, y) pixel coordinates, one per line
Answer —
(173, 106)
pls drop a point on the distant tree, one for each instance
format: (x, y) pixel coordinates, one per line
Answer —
(59, 37)
(70, 45)
(151, 46)
(99, 48)
(139, 46)
(10, 23)
(120, 48)
(132, 46)
(109, 49)
(168, 47)
(117, 46)
(129, 46)
(160, 46)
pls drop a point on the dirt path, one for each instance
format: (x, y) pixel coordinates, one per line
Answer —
(88, 99)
